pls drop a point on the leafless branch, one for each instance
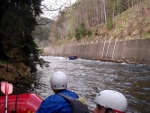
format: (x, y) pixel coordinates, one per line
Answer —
(48, 9)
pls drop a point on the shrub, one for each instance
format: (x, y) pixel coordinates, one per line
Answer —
(82, 32)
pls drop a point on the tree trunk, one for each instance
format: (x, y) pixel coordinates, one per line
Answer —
(104, 4)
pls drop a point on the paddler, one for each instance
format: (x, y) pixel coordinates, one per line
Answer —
(110, 101)
(55, 103)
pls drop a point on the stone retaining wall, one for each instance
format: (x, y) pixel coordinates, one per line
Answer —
(132, 51)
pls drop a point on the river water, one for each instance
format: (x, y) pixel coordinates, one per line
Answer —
(88, 77)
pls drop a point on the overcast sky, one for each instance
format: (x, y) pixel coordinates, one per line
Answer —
(54, 4)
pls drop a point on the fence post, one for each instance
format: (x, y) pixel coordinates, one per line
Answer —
(103, 49)
(108, 47)
(114, 48)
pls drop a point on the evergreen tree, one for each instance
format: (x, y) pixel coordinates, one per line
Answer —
(17, 21)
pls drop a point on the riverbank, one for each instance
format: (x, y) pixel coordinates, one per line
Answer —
(15, 73)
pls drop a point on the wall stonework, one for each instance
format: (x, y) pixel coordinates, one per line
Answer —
(131, 51)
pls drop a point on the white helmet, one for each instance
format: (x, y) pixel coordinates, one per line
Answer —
(112, 99)
(58, 80)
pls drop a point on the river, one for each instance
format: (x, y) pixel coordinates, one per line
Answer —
(88, 77)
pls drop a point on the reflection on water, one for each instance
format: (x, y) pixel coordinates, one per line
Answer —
(87, 77)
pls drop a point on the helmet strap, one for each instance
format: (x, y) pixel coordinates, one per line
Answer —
(108, 110)
(116, 111)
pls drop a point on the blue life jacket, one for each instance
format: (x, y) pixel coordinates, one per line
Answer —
(56, 103)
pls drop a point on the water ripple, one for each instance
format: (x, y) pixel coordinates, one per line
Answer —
(87, 77)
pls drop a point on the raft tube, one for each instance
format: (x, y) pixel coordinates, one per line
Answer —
(21, 103)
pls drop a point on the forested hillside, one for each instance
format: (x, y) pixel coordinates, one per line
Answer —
(21, 29)
(42, 31)
(95, 20)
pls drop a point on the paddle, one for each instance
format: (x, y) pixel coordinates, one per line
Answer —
(7, 89)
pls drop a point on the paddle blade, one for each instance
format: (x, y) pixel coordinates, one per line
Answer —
(6, 88)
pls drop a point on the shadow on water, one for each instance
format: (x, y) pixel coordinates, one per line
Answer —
(88, 77)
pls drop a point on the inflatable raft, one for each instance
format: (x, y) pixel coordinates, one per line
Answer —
(72, 57)
(21, 103)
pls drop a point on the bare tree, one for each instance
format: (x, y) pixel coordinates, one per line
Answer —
(104, 3)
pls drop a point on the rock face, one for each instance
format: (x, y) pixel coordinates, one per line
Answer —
(131, 51)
